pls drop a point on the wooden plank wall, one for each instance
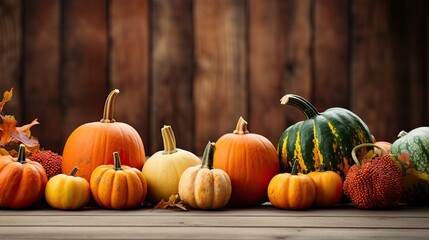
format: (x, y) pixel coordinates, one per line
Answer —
(199, 65)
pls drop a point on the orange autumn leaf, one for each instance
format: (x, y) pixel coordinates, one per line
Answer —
(7, 96)
(173, 201)
(7, 128)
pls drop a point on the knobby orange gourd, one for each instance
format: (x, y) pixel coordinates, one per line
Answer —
(92, 144)
(22, 181)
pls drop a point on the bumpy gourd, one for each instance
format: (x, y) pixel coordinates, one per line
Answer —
(374, 183)
(205, 187)
(164, 168)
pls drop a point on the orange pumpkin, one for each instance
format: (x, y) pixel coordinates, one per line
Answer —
(118, 186)
(329, 187)
(92, 144)
(250, 160)
(22, 181)
(291, 190)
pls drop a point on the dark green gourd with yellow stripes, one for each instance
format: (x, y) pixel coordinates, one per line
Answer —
(323, 138)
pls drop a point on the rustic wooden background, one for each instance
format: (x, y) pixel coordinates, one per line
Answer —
(200, 64)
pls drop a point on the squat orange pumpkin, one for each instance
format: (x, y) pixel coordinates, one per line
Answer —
(22, 181)
(329, 187)
(118, 186)
(92, 144)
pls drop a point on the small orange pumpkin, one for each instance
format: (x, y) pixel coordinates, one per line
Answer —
(329, 187)
(292, 190)
(92, 144)
(22, 181)
(250, 160)
(118, 186)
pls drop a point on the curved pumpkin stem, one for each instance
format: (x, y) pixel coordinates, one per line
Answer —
(301, 103)
(355, 158)
(321, 167)
(74, 171)
(108, 107)
(116, 161)
(294, 171)
(241, 127)
(168, 139)
(21, 154)
(402, 133)
(207, 161)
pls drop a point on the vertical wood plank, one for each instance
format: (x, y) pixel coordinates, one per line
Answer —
(299, 55)
(220, 88)
(331, 56)
(375, 86)
(129, 63)
(84, 62)
(267, 62)
(10, 56)
(42, 98)
(172, 72)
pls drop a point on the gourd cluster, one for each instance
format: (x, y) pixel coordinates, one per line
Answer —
(327, 158)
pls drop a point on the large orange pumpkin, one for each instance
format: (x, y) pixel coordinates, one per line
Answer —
(250, 160)
(22, 181)
(92, 144)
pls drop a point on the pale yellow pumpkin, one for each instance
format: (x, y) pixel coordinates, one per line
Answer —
(205, 187)
(164, 168)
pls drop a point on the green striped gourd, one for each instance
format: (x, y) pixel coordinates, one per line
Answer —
(416, 179)
(323, 138)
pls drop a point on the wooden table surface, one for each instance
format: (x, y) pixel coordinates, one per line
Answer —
(264, 222)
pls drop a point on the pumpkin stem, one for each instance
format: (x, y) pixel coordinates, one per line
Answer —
(241, 127)
(294, 171)
(207, 161)
(168, 139)
(116, 161)
(73, 171)
(355, 158)
(402, 133)
(301, 103)
(21, 154)
(108, 107)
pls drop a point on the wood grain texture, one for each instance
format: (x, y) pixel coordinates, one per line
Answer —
(172, 69)
(42, 71)
(10, 56)
(129, 69)
(84, 66)
(331, 54)
(374, 78)
(267, 63)
(220, 86)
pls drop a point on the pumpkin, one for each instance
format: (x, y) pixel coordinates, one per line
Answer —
(205, 187)
(292, 190)
(329, 187)
(323, 138)
(92, 144)
(416, 179)
(250, 160)
(67, 192)
(164, 168)
(384, 145)
(22, 181)
(118, 186)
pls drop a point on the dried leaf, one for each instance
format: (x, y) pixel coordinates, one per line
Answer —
(7, 128)
(173, 201)
(7, 96)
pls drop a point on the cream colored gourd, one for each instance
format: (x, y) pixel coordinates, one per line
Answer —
(164, 168)
(205, 187)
